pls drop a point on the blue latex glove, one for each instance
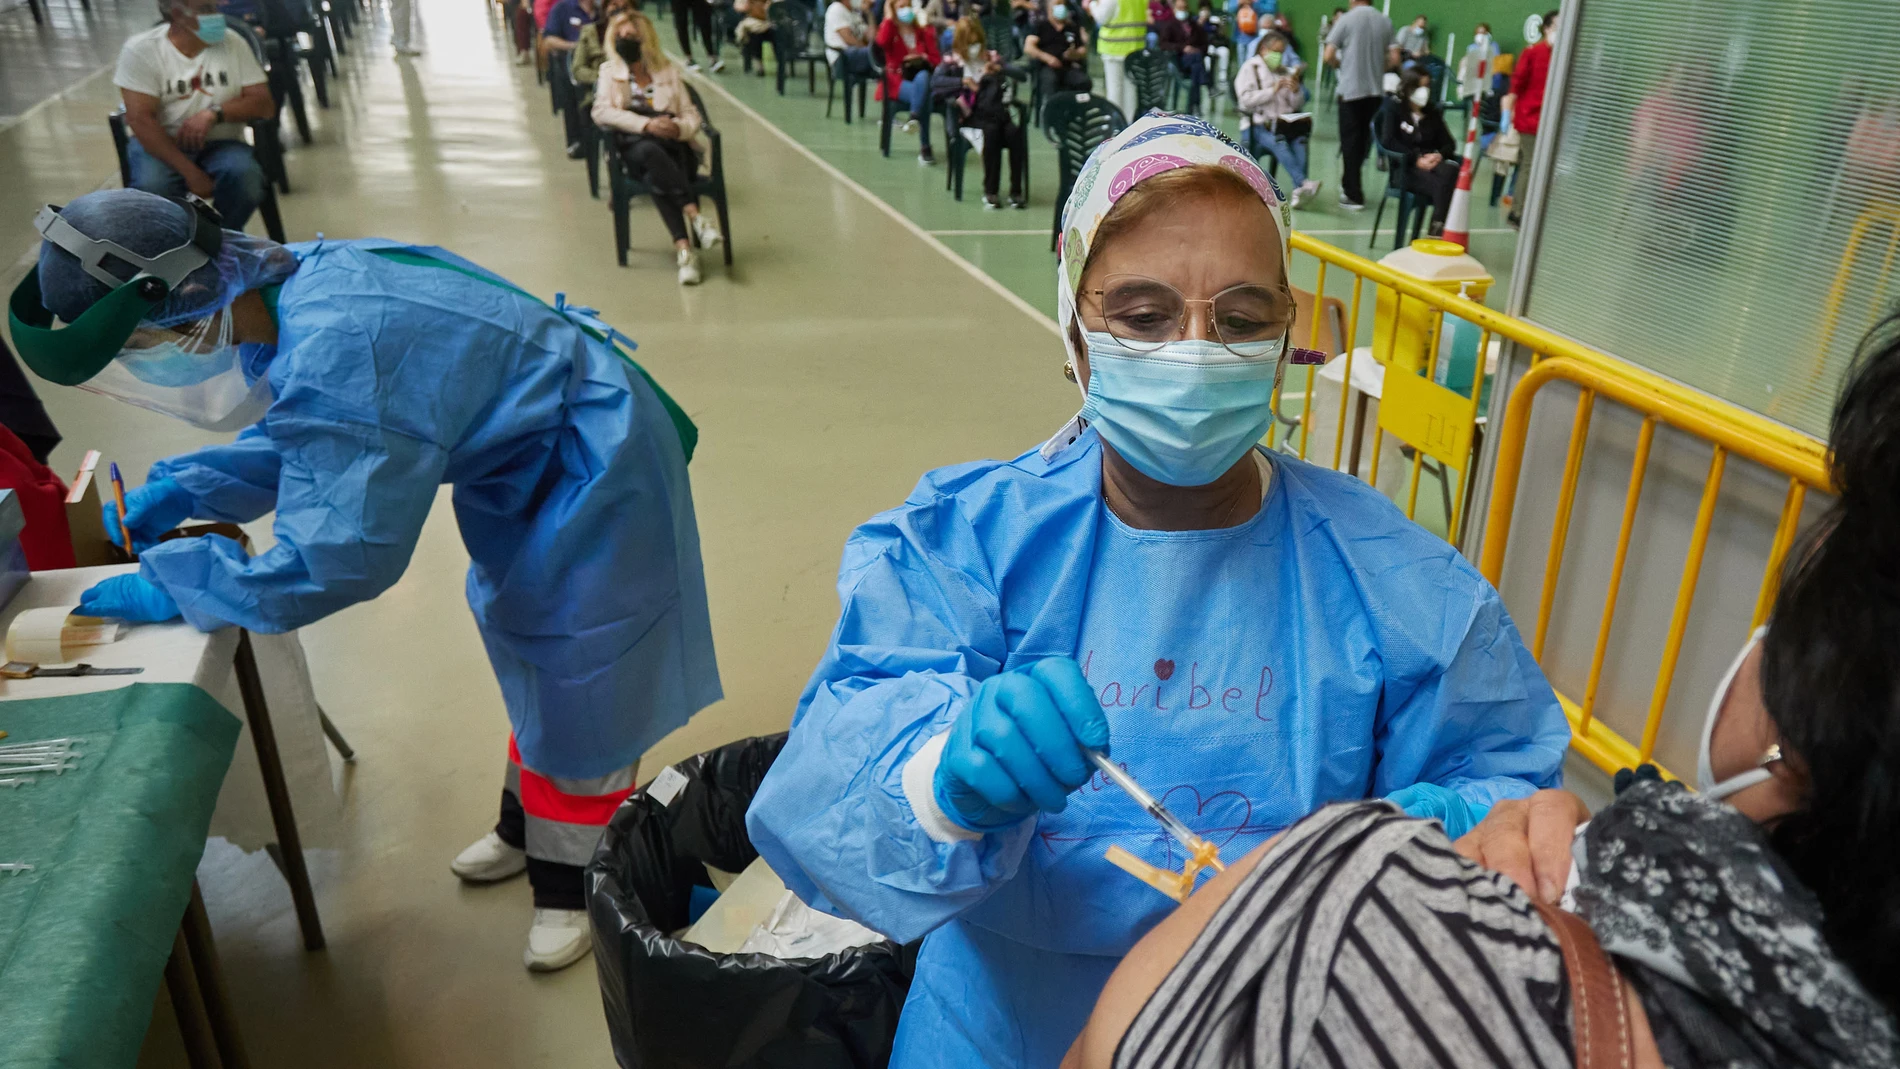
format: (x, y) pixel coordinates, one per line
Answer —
(1018, 748)
(1432, 802)
(150, 511)
(128, 597)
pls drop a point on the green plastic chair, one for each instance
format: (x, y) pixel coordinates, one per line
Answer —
(1076, 122)
(1153, 76)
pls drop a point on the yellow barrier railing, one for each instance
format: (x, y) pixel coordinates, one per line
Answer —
(1731, 430)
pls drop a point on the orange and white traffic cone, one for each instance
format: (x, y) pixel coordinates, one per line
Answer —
(1458, 220)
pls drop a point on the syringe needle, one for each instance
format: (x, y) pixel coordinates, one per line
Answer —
(1147, 801)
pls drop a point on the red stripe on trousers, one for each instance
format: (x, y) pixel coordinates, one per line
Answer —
(540, 798)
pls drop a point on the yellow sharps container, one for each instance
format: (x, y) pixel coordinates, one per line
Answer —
(1438, 263)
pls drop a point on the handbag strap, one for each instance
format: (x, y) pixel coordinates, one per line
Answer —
(1599, 1010)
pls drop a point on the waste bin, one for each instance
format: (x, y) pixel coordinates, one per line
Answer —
(1444, 265)
(672, 1004)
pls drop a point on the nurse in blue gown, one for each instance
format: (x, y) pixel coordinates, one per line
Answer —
(1249, 635)
(365, 375)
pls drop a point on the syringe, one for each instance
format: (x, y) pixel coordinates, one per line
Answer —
(1169, 821)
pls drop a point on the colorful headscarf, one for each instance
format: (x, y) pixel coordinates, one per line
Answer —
(1154, 143)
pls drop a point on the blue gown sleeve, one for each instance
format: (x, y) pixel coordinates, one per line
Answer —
(351, 500)
(1474, 714)
(920, 628)
(235, 483)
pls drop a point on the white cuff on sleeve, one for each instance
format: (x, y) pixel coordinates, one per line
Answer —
(920, 780)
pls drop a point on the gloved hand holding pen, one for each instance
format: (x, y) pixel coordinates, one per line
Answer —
(1021, 746)
(150, 511)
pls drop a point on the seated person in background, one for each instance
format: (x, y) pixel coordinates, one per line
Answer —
(1057, 50)
(189, 88)
(754, 30)
(560, 35)
(590, 52)
(989, 110)
(1754, 920)
(970, 47)
(1412, 124)
(1219, 43)
(1265, 92)
(641, 99)
(910, 55)
(847, 38)
(1185, 41)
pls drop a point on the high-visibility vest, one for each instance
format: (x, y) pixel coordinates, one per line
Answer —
(1126, 31)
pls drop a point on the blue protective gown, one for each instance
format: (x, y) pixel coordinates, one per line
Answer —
(392, 378)
(1327, 649)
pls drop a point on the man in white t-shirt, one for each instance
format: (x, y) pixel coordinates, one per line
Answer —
(847, 37)
(189, 88)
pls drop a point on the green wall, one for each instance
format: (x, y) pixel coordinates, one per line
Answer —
(1445, 17)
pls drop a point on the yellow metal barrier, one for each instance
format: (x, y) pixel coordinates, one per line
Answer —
(1437, 427)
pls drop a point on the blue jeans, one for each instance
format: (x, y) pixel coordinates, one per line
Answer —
(1290, 154)
(916, 96)
(238, 179)
(853, 61)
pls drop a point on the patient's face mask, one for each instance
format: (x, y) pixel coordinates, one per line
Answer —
(1421, 97)
(1705, 781)
(1273, 59)
(210, 29)
(190, 372)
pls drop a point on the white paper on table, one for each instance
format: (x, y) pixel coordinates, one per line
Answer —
(242, 816)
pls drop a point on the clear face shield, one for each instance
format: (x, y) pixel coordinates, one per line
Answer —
(190, 371)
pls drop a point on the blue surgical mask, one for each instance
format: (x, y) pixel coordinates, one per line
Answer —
(1183, 413)
(1058, 12)
(906, 16)
(210, 28)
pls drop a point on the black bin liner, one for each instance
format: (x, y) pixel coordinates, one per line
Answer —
(672, 1004)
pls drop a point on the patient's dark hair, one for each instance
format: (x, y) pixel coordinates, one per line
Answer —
(1831, 677)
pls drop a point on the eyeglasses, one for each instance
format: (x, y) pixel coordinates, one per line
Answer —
(1145, 313)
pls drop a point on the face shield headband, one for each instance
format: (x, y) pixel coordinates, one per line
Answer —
(74, 353)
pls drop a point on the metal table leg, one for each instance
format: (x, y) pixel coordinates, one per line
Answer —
(211, 987)
(336, 738)
(278, 792)
(194, 1027)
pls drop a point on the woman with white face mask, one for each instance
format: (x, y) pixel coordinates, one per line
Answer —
(1250, 636)
(1411, 123)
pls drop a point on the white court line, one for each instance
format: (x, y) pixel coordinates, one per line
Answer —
(1314, 233)
(56, 97)
(1363, 233)
(985, 233)
(923, 235)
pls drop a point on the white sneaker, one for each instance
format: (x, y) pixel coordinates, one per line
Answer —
(910, 126)
(692, 65)
(689, 267)
(717, 66)
(521, 59)
(1309, 188)
(488, 859)
(705, 231)
(559, 938)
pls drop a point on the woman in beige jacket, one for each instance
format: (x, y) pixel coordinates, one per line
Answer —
(650, 118)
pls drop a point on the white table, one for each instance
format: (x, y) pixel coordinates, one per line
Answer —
(261, 679)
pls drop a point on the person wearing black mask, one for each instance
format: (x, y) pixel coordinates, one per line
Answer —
(1412, 123)
(642, 101)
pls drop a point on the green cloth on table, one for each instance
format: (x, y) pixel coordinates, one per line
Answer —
(115, 844)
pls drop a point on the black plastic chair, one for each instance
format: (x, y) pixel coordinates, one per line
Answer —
(999, 32)
(957, 152)
(1153, 75)
(266, 147)
(835, 73)
(625, 187)
(1410, 204)
(589, 133)
(280, 73)
(791, 43)
(1076, 122)
(892, 103)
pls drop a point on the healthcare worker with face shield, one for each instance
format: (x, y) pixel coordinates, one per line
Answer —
(365, 374)
(1248, 635)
